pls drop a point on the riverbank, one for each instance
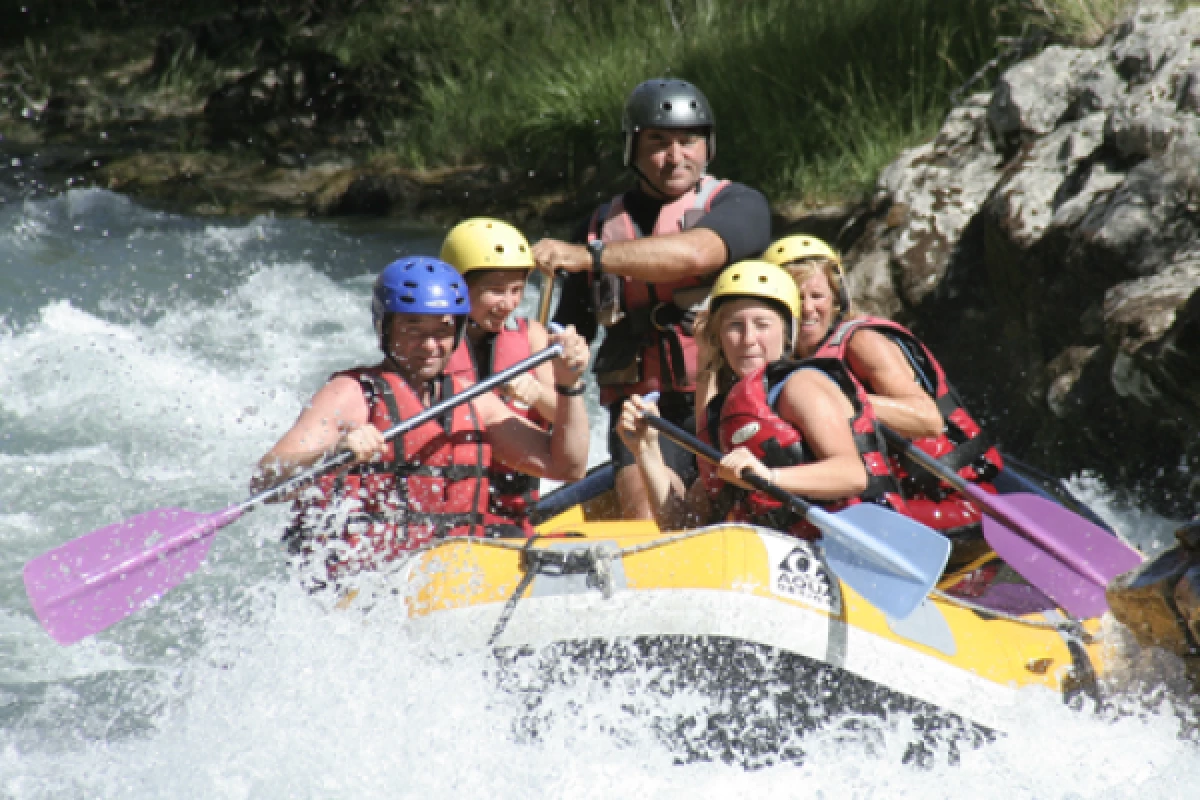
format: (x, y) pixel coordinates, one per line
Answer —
(386, 107)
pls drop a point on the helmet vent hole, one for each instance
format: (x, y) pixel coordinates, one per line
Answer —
(407, 298)
(500, 249)
(410, 284)
(666, 106)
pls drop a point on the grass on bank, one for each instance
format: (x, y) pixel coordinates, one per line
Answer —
(1082, 22)
(812, 97)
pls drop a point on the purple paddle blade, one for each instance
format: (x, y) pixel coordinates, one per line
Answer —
(1066, 556)
(90, 583)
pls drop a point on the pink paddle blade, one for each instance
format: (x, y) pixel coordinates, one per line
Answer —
(90, 583)
(1066, 556)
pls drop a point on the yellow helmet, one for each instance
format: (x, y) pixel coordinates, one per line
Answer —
(757, 279)
(792, 248)
(483, 243)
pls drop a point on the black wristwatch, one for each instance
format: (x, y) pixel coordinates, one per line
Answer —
(596, 246)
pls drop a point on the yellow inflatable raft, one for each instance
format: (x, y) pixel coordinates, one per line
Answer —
(588, 582)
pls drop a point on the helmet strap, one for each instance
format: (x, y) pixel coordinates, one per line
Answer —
(649, 188)
(461, 332)
(648, 184)
(385, 328)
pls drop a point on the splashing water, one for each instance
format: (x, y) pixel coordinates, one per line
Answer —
(148, 360)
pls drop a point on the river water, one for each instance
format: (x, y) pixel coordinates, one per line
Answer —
(147, 360)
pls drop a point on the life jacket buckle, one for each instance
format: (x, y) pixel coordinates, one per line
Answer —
(660, 326)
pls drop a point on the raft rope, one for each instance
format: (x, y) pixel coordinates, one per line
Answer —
(597, 560)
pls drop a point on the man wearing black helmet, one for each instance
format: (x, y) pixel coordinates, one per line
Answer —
(643, 263)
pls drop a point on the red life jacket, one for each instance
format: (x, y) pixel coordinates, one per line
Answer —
(513, 493)
(660, 353)
(746, 417)
(962, 446)
(431, 483)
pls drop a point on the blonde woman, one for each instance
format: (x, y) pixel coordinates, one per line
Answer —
(793, 425)
(905, 383)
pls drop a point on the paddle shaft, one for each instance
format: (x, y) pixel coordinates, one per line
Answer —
(707, 451)
(87, 584)
(338, 459)
(543, 314)
(470, 393)
(932, 548)
(1014, 521)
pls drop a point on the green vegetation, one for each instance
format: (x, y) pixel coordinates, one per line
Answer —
(812, 97)
(1081, 22)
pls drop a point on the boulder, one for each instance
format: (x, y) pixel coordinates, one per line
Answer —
(1047, 246)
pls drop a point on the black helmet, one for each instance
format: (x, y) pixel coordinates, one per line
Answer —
(666, 103)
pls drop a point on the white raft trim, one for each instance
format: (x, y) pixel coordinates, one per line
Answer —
(543, 621)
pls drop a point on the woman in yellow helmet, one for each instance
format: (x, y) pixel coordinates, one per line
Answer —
(875, 359)
(495, 259)
(798, 428)
(906, 384)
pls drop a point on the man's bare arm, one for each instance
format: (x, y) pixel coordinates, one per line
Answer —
(658, 259)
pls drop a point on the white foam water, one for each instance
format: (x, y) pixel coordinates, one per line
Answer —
(148, 360)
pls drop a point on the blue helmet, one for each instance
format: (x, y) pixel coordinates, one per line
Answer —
(419, 285)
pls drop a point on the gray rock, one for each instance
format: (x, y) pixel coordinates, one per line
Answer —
(1096, 90)
(1046, 244)
(934, 191)
(871, 285)
(1093, 187)
(1063, 373)
(1033, 96)
(1023, 205)
(1148, 46)
(1138, 130)
(1145, 222)
(1141, 311)
(1187, 96)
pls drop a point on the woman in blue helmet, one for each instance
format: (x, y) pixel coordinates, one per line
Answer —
(431, 482)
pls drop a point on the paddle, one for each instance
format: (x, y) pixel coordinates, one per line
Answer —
(893, 566)
(1019, 477)
(1061, 553)
(597, 482)
(543, 314)
(86, 585)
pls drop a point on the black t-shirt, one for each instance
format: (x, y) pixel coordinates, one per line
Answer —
(739, 215)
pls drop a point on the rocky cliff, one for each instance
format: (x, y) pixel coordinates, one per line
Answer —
(1047, 245)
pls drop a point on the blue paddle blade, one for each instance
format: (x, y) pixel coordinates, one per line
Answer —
(889, 559)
